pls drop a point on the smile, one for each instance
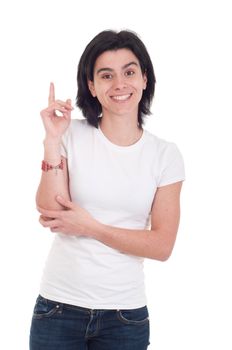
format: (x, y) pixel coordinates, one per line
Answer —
(121, 97)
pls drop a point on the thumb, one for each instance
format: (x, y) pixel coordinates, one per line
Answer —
(65, 202)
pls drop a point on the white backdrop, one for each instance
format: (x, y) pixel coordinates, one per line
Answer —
(189, 296)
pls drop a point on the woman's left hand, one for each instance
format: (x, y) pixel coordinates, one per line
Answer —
(73, 220)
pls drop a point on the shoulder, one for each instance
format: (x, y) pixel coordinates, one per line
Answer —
(80, 124)
(160, 146)
(168, 160)
(78, 131)
(79, 127)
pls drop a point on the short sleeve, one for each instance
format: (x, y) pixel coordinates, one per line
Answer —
(171, 166)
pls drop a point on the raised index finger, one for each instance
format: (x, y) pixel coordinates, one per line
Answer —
(51, 97)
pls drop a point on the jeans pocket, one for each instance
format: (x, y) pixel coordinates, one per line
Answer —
(135, 316)
(45, 308)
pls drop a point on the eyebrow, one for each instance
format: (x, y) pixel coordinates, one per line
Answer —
(123, 67)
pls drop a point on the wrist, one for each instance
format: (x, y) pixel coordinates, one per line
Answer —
(52, 151)
(46, 166)
(51, 141)
(96, 230)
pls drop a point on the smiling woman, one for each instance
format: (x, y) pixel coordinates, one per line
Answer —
(100, 58)
(112, 203)
(118, 83)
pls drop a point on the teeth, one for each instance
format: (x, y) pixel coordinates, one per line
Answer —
(121, 98)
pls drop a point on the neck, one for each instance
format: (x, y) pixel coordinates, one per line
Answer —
(121, 130)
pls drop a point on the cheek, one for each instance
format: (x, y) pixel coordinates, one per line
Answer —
(102, 91)
(101, 98)
(140, 88)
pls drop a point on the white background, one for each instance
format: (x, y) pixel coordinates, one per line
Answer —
(190, 45)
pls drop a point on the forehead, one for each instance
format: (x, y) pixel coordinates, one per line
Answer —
(115, 59)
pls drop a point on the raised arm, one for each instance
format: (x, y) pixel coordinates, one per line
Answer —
(55, 181)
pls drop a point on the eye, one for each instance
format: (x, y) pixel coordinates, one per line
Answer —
(129, 73)
(107, 76)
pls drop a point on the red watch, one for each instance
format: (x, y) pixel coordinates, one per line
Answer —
(46, 166)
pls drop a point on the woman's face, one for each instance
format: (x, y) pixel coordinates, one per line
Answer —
(118, 82)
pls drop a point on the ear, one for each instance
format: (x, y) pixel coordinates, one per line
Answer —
(92, 88)
(144, 81)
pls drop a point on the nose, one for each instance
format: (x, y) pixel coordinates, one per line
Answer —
(119, 82)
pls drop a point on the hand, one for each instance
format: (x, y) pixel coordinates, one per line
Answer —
(55, 126)
(73, 220)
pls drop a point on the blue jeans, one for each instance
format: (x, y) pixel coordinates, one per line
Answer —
(57, 326)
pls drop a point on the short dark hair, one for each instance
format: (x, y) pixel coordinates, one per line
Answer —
(110, 40)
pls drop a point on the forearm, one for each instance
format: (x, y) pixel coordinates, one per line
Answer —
(53, 182)
(153, 244)
(156, 243)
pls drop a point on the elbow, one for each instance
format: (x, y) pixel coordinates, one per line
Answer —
(166, 252)
(40, 203)
(163, 254)
(47, 202)
(162, 244)
(164, 257)
(37, 201)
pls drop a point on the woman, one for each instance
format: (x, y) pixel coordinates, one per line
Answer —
(110, 191)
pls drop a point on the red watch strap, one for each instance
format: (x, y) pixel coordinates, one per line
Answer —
(46, 166)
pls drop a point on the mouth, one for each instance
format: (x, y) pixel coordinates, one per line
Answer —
(121, 98)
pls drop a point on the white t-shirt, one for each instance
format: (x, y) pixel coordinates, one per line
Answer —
(116, 185)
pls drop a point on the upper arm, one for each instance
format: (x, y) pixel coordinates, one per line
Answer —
(165, 213)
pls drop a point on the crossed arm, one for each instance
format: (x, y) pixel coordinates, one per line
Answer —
(156, 243)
